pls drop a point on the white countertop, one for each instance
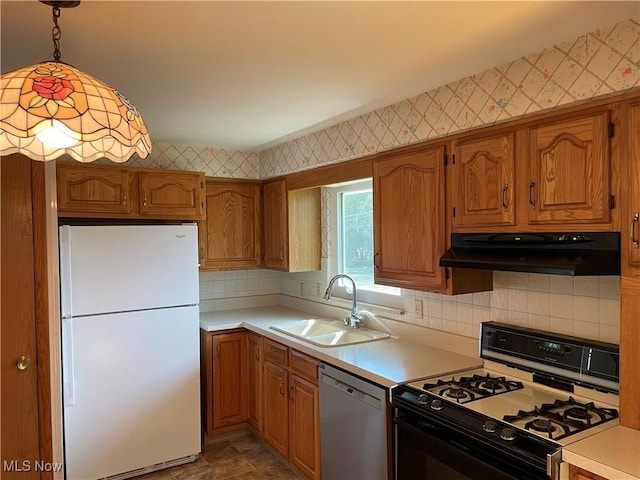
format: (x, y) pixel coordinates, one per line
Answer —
(613, 453)
(386, 362)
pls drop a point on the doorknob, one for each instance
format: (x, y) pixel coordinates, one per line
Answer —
(23, 363)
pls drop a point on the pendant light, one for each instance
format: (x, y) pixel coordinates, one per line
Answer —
(51, 108)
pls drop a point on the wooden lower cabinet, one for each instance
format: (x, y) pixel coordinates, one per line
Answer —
(291, 414)
(254, 377)
(276, 407)
(304, 426)
(224, 380)
(250, 380)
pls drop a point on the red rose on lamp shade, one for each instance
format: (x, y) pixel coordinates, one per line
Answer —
(53, 87)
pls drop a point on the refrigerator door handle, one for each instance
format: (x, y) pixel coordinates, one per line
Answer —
(68, 384)
(65, 270)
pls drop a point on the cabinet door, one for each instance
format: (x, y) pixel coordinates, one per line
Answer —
(275, 225)
(483, 182)
(90, 189)
(171, 195)
(276, 407)
(254, 409)
(229, 379)
(569, 169)
(408, 219)
(230, 235)
(630, 156)
(304, 427)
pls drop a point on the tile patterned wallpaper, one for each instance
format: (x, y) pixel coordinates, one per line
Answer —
(212, 161)
(594, 64)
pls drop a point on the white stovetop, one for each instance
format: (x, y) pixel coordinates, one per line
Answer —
(532, 395)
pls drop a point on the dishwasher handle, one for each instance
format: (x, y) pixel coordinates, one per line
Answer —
(351, 391)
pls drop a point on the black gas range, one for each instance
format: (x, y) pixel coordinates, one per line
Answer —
(509, 420)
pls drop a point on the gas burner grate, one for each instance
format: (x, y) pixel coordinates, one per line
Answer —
(468, 389)
(562, 418)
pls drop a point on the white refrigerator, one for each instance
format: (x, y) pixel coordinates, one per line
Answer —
(130, 343)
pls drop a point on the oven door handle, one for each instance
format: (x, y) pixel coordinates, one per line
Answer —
(553, 464)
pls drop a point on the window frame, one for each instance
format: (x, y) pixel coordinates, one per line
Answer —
(393, 297)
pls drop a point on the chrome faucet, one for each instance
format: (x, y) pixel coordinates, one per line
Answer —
(354, 319)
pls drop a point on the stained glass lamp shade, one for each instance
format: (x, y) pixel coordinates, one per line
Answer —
(51, 109)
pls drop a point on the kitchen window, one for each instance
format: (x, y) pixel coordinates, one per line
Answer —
(352, 237)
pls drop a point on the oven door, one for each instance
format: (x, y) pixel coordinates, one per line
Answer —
(427, 451)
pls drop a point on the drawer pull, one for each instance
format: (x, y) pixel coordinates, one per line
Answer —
(634, 239)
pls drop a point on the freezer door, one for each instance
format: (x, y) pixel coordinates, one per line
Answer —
(105, 269)
(132, 390)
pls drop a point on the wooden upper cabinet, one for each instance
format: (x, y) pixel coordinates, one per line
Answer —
(99, 191)
(630, 202)
(408, 218)
(177, 195)
(93, 189)
(292, 229)
(275, 224)
(230, 233)
(483, 181)
(569, 171)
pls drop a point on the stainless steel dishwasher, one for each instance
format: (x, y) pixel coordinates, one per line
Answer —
(353, 427)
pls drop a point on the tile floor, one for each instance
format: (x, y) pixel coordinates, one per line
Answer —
(234, 456)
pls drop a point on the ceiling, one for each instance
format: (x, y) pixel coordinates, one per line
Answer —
(248, 75)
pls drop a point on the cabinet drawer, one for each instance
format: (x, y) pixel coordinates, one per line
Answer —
(304, 365)
(275, 352)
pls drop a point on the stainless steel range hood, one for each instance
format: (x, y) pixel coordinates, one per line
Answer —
(591, 253)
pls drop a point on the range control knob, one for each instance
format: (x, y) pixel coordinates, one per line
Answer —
(437, 404)
(423, 399)
(508, 434)
(490, 426)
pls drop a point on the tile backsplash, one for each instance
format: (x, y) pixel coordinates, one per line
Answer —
(238, 283)
(586, 307)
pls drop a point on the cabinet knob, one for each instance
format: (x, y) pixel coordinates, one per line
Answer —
(23, 363)
(634, 222)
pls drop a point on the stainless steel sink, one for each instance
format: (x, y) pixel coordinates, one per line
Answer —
(327, 333)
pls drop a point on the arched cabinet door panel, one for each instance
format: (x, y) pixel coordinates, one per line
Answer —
(569, 171)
